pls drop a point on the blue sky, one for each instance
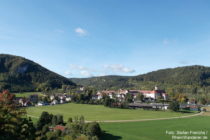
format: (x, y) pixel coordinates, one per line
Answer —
(83, 38)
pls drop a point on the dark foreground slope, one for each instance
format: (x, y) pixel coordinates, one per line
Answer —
(20, 74)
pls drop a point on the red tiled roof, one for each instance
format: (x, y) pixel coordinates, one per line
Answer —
(148, 91)
(59, 127)
(132, 91)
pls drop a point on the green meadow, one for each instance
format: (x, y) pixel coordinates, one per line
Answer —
(27, 94)
(155, 130)
(143, 130)
(100, 113)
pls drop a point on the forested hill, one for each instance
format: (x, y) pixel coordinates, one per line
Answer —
(185, 77)
(20, 74)
(104, 82)
(189, 75)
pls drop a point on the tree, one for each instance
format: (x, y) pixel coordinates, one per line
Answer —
(174, 106)
(67, 137)
(60, 119)
(52, 136)
(108, 101)
(75, 127)
(54, 120)
(203, 100)
(13, 122)
(181, 98)
(45, 129)
(44, 119)
(129, 98)
(82, 137)
(27, 129)
(93, 129)
(140, 97)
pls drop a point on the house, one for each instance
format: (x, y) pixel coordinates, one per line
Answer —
(102, 93)
(68, 99)
(52, 97)
(191, 107)
(21, 101)
(152, 106)
(24, 102)
(40, 104)
(150, 94)
(81, 88)
(59, 127)
(61, 101)
(54, 102)
(95, 97)
(61, 97)
(120, 94)
(34, 98)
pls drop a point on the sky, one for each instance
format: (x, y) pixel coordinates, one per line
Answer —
(83, 38)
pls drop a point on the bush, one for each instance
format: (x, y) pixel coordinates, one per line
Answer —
(67, 137)
(44, 119)
(82, 137)
(174, 106)
(93, 129)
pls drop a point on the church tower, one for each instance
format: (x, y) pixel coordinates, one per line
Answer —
(156, 88)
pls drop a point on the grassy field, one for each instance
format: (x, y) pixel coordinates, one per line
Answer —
(154, 130)
(100, 113)
(27, 94)
(144, 130)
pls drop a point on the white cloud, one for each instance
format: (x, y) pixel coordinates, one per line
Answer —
(102, 71)
(67, 73)
(78, 67)
(81, 70)
(86, 73)
(81, 32)
(119, 68)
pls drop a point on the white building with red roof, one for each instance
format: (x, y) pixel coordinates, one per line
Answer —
(151, 94)
(120, 94)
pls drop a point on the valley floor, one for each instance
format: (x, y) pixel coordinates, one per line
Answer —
(150, 125)
(155, 130)
(101, 113)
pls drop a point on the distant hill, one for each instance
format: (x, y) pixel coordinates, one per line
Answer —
(20, 74)
(188, 75)
(187, 78)
(104, 82)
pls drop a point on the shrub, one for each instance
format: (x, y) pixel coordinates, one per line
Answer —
(174, 106)
(93, 129)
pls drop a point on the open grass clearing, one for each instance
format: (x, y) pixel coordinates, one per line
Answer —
(27, 94)
(101, 113)
(154, 130)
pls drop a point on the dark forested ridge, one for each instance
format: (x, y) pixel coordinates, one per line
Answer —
(20, 74)
(104, 82)
(188, 78)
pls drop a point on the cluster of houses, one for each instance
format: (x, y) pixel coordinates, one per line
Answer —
(35, 100)
(150, 95)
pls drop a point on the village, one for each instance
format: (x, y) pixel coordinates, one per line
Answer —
(147, 99)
